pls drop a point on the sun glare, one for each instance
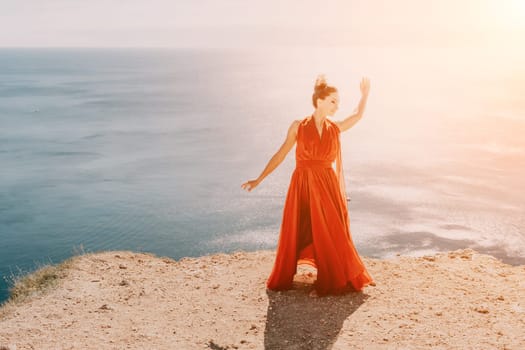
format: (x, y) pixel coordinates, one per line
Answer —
(519, 4)
(516, 12)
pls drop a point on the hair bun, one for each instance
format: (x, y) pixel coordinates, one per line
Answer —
(320, 82)
(321, 89)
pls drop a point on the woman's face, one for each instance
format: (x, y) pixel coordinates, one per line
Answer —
(330, 104)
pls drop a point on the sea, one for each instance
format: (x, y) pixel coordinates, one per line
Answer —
(146, 149)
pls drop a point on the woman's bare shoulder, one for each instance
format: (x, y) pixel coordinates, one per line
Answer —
(295, 124)
(293, 130)
(335, 123)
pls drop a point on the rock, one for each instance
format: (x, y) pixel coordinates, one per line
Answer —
(105, 307)
(482, 310)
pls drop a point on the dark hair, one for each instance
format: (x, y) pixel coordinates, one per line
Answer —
(321, 89)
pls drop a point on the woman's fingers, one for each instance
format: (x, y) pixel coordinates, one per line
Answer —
(365, 84)
(247, 186)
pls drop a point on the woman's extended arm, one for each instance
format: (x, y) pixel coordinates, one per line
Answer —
(277, 158)
(358, 113)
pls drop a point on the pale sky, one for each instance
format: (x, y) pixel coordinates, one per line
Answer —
(245, 23)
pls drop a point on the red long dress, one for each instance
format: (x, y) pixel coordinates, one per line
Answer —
(315, 228)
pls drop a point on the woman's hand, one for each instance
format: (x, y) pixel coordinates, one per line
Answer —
(365, 86)
(249, 185)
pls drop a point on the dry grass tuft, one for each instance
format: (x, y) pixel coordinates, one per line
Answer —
(25, 285)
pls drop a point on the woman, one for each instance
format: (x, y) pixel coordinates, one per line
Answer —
(315, 229)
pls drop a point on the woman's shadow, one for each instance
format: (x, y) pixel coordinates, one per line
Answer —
(297, 321)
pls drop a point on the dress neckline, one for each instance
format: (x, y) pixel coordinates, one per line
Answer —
(323, 128)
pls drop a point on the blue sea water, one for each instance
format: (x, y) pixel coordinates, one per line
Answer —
(146, 149)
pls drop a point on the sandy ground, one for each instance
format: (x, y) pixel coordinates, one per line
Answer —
(127, 300)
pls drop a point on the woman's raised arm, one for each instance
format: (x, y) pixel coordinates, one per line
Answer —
(358, 113)
(277, 158)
